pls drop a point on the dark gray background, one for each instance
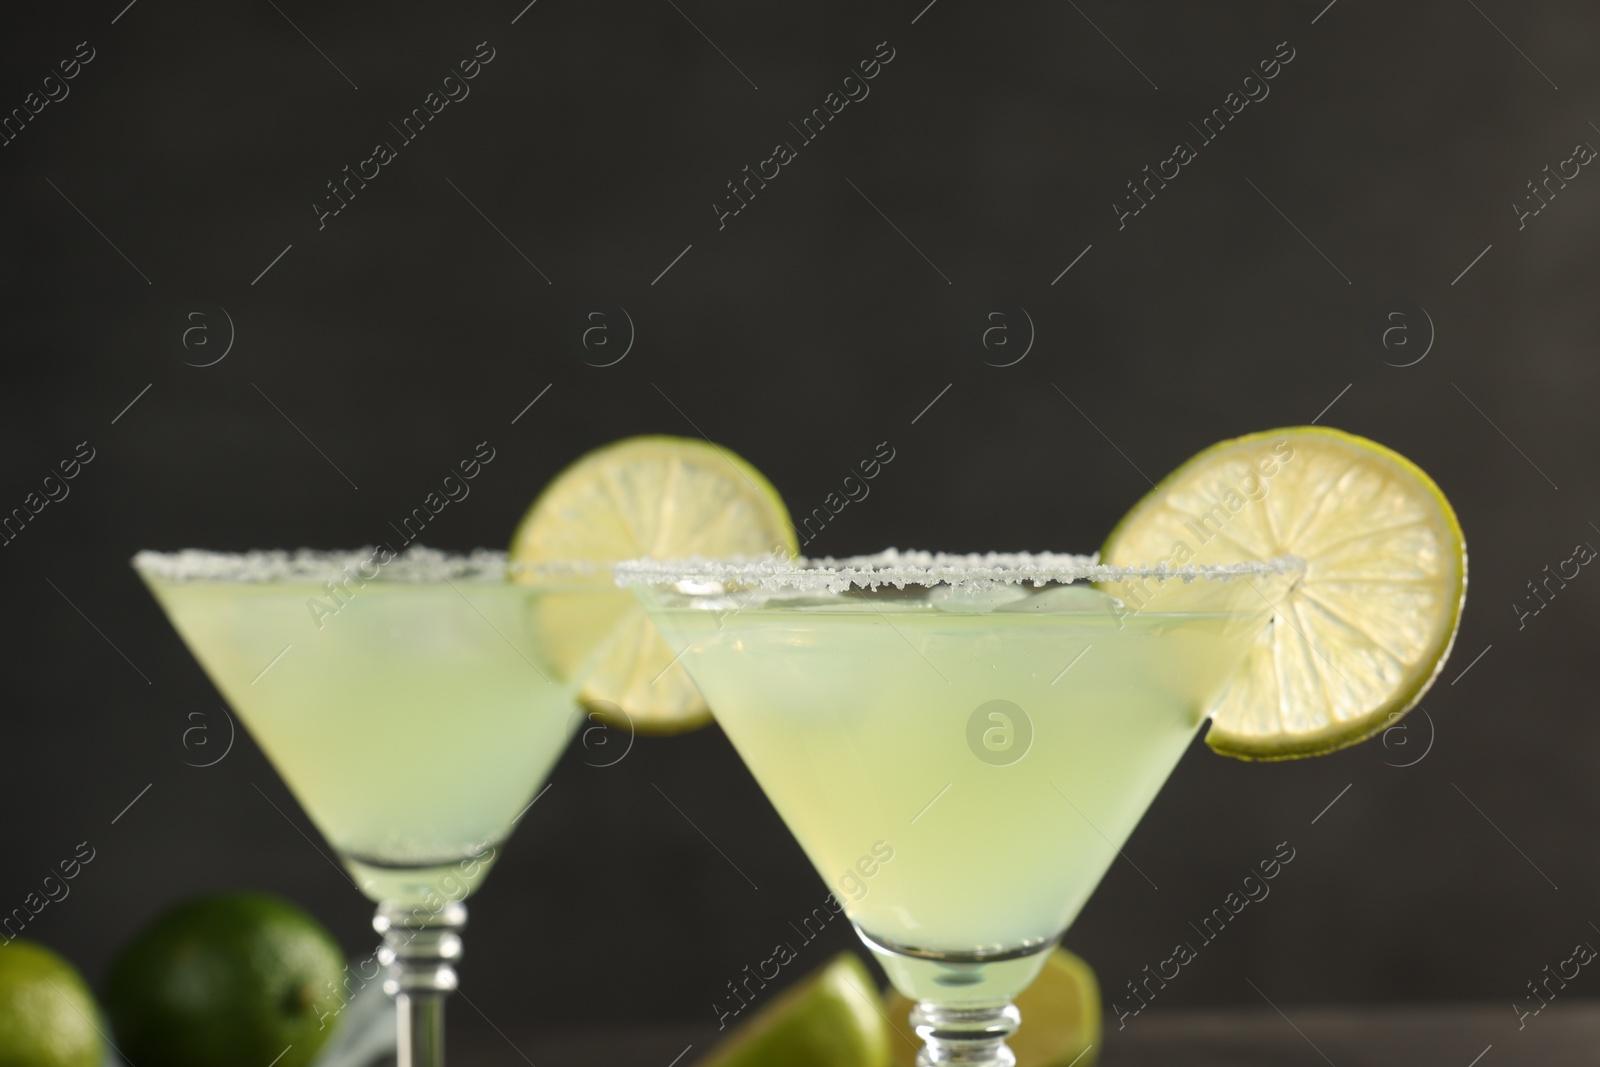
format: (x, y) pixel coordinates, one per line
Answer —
(810, 329)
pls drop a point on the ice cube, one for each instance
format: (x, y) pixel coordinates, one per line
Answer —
(970, 598)
(1076, 598)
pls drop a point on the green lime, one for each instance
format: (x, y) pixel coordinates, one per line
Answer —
(833, 1018)
(1060, 1018)
(1364, 631)
(48, 1016)
(662, 497)
(231, 978)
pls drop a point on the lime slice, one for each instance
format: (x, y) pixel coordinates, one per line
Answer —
(1060, 1018)
(1357, 640)
(834, 1018)
(662, 497)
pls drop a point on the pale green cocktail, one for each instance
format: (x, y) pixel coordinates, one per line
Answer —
(412, 706)
(961, 762)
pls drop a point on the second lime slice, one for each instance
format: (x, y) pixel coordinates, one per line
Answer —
(660, 497)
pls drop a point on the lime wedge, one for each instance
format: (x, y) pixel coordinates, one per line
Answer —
(662, 497)
(833, 1018)
(1357, 640)
(1060, 1018)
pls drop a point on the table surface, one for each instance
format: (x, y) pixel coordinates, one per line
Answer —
(1486, 1035)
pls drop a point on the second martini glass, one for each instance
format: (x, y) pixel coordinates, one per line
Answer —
(413, 704)
(960, 755)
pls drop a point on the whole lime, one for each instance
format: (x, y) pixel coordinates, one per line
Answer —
(47, 1014)
(240, 978)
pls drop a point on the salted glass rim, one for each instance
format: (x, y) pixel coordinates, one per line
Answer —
(900, 568)
(417, 565)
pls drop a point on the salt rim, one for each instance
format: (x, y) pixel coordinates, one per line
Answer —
(416, 564)
(902, 568)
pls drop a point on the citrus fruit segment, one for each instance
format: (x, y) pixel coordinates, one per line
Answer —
(1355, 640)
(833, 1018)
(661, 497)
(1060, 1018)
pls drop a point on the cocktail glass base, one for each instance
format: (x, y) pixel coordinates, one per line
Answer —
(420, 949)
(964, 1012)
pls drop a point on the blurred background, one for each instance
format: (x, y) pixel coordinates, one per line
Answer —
(954, 266)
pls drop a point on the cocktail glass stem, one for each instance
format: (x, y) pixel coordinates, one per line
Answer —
(420, 948)
(971, 1036)
(964, 1012)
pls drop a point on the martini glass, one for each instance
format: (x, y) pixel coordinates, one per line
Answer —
(412, 703)
(961, 745)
